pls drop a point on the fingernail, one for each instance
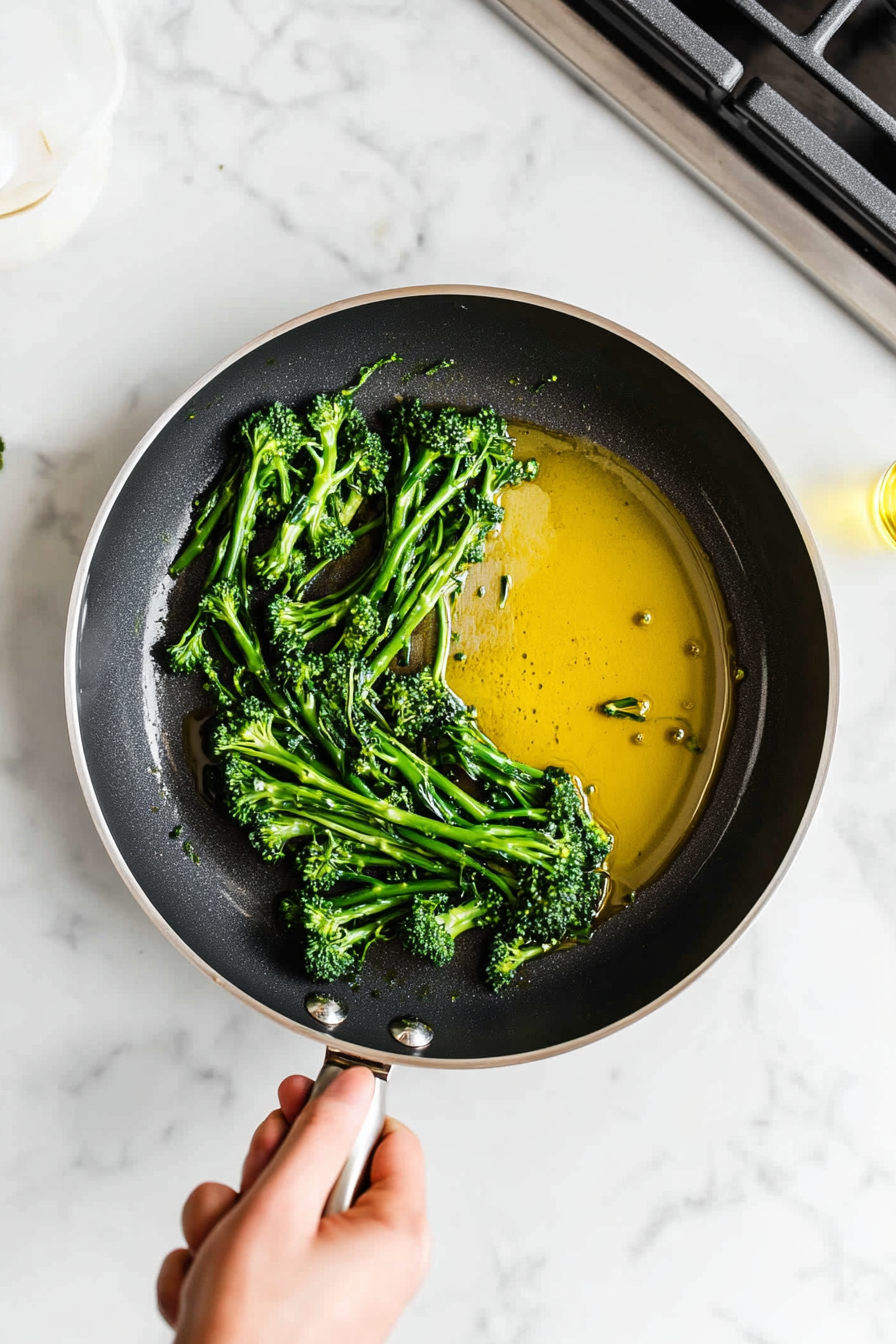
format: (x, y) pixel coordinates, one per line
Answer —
(352, 1087)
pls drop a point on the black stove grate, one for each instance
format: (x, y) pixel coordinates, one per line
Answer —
(805, 90)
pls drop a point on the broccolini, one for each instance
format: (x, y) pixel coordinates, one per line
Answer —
(327, 545)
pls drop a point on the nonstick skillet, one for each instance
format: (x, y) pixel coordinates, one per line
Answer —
(126, 715)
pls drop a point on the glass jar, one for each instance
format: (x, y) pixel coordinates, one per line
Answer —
(61, 79)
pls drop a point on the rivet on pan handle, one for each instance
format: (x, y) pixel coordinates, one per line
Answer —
(342, 1196)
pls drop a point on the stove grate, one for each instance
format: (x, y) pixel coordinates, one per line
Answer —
(785, 108)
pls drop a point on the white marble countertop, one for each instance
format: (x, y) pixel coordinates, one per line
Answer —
(727, 1171)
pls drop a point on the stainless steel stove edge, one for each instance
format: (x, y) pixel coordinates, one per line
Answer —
(606, 71)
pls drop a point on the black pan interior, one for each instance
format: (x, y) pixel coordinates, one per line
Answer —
(610, 391)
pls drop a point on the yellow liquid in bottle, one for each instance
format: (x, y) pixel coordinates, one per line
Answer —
(855, 512)
(884, 505)
(593, 548)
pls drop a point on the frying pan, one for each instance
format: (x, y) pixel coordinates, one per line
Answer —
(126, 713)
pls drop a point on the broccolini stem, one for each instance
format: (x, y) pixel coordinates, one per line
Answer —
(421, 518)
(248, 646)
(423, 778)
(206, 523)
(217, 562)
(316, 790)
(295, 825)
(368, 527)
(275, 561)
(244, 514)
(370, 931)
(368, 370)
(314, 798)
(426, 599)
(443, 643)
(459, 919)
(450, 853)
(370, 900)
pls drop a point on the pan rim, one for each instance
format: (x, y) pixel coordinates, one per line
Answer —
(76, 607)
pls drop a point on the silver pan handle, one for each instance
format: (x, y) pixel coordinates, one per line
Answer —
(343, 1194)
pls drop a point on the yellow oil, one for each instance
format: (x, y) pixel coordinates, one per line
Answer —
(593, 548)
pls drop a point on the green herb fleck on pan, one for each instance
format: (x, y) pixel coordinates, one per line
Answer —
(176, 833)
(2, 451)
(190, 851)
(627, 707)
(428, 370)
(544, 383)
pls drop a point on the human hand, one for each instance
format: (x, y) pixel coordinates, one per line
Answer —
(264, 1265)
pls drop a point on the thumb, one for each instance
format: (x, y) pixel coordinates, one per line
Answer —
(306, 1165)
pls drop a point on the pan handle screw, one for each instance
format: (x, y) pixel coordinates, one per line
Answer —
(413, 1033)
(328, 1012)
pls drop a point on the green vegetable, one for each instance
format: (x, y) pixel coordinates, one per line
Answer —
(628, 707)
(326, 545)
(506, 958)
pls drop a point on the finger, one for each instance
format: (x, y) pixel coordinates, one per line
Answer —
(204, 1208)
(305, 1168)
(265, 1141)
(397, 1190)
(292, 1094)
(170, 1282)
